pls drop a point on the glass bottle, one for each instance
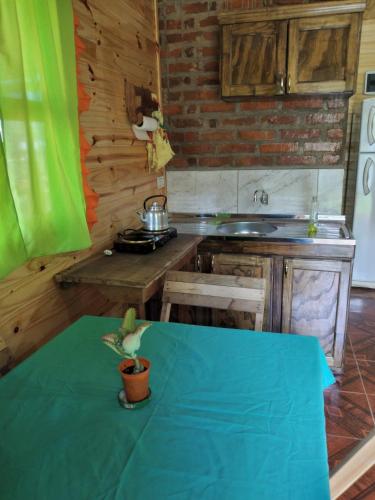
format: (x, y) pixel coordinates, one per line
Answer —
(313, 222)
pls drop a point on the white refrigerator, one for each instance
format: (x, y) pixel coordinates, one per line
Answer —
(364, 209)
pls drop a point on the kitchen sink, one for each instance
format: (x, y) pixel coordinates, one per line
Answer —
(245, 228)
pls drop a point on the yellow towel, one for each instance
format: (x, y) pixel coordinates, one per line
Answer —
(159, 151)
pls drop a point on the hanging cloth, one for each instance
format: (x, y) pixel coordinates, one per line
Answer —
(39, 107)
(159, 151)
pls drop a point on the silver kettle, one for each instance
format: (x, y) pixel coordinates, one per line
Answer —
(155, 217)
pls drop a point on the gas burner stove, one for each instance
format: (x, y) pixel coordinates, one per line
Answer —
(142, 241)
(162, 231)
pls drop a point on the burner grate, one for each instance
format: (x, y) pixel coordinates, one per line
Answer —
(141, 241)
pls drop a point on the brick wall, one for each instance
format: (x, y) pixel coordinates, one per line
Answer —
(208, 132)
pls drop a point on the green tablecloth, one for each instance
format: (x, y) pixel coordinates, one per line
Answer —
(234, 415)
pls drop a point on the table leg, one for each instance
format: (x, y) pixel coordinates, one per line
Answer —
(141, 311)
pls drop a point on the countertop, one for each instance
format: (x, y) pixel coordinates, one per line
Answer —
(331, 230)
(139, 276)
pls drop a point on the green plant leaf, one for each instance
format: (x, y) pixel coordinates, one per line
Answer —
(128, 325)
(112, 341)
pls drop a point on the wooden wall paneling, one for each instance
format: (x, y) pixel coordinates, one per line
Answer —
(120, 43)
(5, 358)
(158, 61)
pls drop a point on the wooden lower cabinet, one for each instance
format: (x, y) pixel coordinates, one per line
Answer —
(251, 266)
(315, 302)
(304, 295)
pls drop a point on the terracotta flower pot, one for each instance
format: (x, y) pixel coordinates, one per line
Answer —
(136, 385)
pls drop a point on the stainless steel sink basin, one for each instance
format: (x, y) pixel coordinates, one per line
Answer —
(245, 228)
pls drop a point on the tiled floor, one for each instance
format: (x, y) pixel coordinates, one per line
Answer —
(350, 403)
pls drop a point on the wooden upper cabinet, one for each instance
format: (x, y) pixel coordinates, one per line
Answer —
(323, 53)
(308, 48)
(254, 58)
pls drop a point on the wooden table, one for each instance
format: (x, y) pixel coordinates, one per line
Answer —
(132, 278)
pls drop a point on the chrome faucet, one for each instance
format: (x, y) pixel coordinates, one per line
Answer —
(263, 196)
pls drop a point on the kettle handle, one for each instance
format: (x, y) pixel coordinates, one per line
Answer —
(155, 196)
(141, 215)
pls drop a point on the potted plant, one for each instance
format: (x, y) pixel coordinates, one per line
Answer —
(134, 370)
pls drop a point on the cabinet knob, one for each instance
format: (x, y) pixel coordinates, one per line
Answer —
(198, 263)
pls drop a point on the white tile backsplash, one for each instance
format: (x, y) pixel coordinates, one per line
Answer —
(289, 191)
(202, 191)
(331, 190)
(182, 191)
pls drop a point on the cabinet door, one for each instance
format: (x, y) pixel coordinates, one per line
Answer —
(315, 302)
(323, 53)
(253, 58)
(243, 265)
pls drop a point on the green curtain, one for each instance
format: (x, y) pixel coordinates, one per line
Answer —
(12, 248)
(41, 195)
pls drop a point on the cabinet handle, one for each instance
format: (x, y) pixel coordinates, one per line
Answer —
(371, 126)
(366, 174)
(286, 269)
(289, 83)
(198, 263)
(212, 263)
(282, 85)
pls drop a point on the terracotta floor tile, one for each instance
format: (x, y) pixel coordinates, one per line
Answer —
(361, 299)
(348, 348)
(357, 329)
(358, 305)
(338, 448)
(350, 380)
(347, 414)
(363, 346)
(372, 403)
(367, 370)
(366, 309)
(363, 489)
(362, 302)
(361, 324)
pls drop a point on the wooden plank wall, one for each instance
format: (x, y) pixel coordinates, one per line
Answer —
(120, 38)
(366, 63)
